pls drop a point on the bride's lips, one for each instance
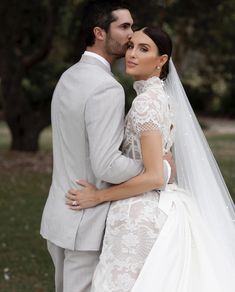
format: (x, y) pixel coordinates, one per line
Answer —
(130, 64)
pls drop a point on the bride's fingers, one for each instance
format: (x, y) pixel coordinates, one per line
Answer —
(73, 192)
(68, 202)
(75, 208)
(70, 196)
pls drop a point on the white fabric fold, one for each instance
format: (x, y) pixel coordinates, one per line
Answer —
(182, 259)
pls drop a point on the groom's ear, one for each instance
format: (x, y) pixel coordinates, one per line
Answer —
(99, 33)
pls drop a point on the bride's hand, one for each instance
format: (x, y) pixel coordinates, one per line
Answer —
(86, 197)
(168, 156)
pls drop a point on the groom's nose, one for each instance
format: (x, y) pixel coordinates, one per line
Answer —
(130, 34)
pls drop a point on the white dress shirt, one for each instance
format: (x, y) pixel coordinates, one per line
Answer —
(102, 59)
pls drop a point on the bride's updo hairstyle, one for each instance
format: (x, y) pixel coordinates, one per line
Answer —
(164, 44)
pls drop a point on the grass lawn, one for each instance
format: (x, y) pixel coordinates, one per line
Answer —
(25, 265)
(223, 147)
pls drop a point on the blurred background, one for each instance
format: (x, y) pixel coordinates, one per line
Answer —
(38, 41)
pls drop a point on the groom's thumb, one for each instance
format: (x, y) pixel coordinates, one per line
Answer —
(82, 183)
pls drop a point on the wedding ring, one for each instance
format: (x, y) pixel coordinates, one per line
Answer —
(74, 203)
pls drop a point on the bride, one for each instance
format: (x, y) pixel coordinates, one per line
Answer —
(180, 239)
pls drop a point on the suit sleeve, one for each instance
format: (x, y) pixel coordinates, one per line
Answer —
(104, 117)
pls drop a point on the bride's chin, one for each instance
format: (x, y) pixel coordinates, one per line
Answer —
(130, 72)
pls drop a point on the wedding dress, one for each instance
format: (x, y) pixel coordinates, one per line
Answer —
(157, 241)
(134, 224)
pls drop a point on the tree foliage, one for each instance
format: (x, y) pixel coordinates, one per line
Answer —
(203, 35)
(26, 34)
(40, 39)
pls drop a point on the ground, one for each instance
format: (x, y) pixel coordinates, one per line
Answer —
(25, 265)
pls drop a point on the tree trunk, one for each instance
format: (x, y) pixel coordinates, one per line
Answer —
(23, 44)
(25, 138)
(25, 122)
(26, 128)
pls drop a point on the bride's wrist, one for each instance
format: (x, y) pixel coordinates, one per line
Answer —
(100, 194)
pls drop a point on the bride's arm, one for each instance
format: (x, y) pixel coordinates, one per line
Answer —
(151, 178)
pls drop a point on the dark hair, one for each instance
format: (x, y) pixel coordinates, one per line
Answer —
(99, 13)
(164, 44)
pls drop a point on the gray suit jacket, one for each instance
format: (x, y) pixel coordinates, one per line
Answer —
(87, 127)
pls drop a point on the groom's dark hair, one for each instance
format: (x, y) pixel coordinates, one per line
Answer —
(99, 13)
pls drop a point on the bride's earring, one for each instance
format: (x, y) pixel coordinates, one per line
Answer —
(158, 68)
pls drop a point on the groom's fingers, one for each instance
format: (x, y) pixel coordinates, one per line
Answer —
(82, 183)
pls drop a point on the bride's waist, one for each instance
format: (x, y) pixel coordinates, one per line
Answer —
(152, 196)
(173, 195)
(174, 188)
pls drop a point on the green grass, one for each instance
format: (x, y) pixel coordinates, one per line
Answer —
(223, 147)
(25, 265)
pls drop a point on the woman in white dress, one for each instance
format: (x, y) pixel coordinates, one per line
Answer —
(180, 239)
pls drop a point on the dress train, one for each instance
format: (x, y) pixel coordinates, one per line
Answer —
(184, 258)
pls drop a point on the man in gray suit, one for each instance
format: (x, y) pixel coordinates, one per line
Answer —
(87, 127)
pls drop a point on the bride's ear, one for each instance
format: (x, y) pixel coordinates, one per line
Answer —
(163, 59)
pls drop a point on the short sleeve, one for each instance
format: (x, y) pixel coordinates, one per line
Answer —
(146, 115)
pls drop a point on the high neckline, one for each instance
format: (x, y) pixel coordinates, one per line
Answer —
(141, 86)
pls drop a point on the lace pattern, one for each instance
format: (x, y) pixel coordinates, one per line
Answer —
(150, 111)
(145, 115)
(134, 224)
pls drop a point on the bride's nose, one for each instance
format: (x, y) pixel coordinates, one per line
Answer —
(133, 53)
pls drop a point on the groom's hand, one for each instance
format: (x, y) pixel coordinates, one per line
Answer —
(86, 197)
(171, 161)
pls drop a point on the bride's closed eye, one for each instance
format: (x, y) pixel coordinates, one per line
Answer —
(143, 49)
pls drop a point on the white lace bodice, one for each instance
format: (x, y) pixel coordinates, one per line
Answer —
(150, 111)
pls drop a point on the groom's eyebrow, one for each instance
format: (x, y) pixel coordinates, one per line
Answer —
(126, 24)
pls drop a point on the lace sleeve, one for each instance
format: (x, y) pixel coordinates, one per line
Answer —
(146, 115)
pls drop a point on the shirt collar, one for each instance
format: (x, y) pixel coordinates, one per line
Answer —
(94, 55)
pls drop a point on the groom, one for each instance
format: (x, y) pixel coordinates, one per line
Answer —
(87, 127)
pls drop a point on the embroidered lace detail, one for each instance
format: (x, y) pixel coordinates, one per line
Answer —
(133, 224)
(150, 111)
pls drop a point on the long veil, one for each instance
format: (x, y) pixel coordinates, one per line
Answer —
(195, 250)
(198, 172)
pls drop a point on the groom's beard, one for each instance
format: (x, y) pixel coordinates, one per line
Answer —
(114, 48)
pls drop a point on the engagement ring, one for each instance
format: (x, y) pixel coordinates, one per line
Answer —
(74, 203)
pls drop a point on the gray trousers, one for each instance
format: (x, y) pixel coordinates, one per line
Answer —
(73, 269)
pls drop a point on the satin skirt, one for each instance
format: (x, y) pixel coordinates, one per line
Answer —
(184, 258)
